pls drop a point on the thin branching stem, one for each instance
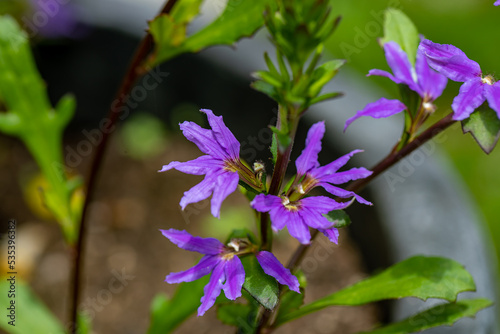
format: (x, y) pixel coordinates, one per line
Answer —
(133, 73)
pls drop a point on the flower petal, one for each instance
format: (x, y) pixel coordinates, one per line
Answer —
(308, 159)
(212, 289)
(332, 234)
(273, 267)
(497, 3)
(378, 109)
(226, 183)
(235, 277)
(320, 204)
(450, 61)
(278, 218)
(204, 267)
(431, 83)
(201, 191)
(470, 96)
(314, 219)
(204, 139)
(400, 65)
(348, 175)
(492, 93)
(186, 241)
(265, 203)
(199, 166)
(333, 166)
(382, 73)
(339, 192)
(224, 136)
(297, 228)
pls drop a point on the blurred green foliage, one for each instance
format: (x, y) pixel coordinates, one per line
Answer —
(471, 25)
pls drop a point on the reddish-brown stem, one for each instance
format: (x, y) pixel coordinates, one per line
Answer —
(382, 166)
(134, 71)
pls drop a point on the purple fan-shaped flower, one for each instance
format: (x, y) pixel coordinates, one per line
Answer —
(220, 165)
(427, 83)
(297, 215)
(326, 176)
(454, 64)
(226, 268)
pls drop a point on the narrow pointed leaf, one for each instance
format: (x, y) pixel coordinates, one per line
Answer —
(420, 276)
(484, 126)
(441, 315)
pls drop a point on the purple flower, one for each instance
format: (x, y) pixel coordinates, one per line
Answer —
(297, 215)
(274, 268)
(454, 64)
(226, 268)
(220, 165)
(326, 176)
(497, 3)
(427, 83)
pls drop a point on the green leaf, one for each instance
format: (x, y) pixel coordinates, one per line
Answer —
(31, 315)
(258, 284)
(31, 118)
(167, 314)
(400, 29)
(239, 315)
(420, 276)
(339, 218)
(484, 125)
(284, 139)
(241, 18)
(242, 233)
(445, 314)
(323, 74)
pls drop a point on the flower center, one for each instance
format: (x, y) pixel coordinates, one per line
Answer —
(290, 206)
(429, 107)
(488, 80)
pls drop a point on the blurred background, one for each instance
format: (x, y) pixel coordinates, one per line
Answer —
(85, 47)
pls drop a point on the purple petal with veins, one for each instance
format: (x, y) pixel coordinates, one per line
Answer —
(273, 267)
(235, 277)
(212, 289)
(492, 94)
(378, 109)
(470, 97)
(204, 267)
(308, 159)
(186, 241)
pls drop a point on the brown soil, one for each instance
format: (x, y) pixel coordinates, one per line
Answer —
(134, 201)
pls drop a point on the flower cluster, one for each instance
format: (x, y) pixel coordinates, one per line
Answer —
(454, 64)
(223, 170)
(427, 83)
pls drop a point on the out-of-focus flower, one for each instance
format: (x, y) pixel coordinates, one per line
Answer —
(453, 63)
(427, 83)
